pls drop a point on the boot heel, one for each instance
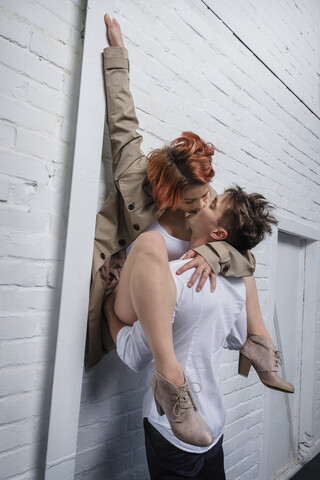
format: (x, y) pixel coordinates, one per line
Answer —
(244, 365)
(159, 408)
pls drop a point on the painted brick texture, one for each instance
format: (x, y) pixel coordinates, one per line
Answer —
(189, 71)
(283, 35)
(40, 59)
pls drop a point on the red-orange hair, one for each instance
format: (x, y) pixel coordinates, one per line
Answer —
(184, 163)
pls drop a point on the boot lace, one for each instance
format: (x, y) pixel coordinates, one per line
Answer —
(278, 360)
(184, 400)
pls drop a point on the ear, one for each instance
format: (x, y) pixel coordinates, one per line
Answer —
(219, 234)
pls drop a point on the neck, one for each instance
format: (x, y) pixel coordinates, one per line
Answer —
(198, 241)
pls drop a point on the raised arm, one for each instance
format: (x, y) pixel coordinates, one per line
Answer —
(121, 117)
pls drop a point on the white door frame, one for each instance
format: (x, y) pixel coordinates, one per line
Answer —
(311, 297)
(69, 360)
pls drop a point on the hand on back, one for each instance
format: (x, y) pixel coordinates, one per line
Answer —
(113, 32)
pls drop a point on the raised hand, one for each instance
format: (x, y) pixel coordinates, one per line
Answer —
(113, 32)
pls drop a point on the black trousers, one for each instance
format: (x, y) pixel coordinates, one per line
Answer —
(167, 462)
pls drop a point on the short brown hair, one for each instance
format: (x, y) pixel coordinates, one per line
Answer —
(247, 219)
(184, 163)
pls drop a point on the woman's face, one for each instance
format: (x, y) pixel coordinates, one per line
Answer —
(194, 198)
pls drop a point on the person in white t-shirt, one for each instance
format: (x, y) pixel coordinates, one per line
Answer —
(187, 441)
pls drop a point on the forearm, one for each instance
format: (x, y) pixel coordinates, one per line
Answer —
(121, 117)
(225, 259)
(255, 321)
(115, 325)
(132, 346)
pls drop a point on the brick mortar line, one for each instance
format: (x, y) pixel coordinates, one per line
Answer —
(261, 61)
(16, 366)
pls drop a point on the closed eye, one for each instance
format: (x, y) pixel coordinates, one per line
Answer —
(190, 201)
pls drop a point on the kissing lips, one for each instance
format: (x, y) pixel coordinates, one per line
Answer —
(192, 212)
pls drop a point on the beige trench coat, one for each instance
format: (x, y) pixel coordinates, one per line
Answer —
(130, 207)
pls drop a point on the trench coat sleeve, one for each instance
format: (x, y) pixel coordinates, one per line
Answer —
(225, 259)
(121, 118)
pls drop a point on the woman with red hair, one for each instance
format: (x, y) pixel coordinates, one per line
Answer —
(186, 161)
(153, 194)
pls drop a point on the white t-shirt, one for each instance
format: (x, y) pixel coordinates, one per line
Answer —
(203, 324)
(176, 247)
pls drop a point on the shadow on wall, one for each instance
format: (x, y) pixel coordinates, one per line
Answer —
(110, 436)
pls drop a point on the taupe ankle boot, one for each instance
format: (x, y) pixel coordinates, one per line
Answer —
(260, 353)
(177, 403)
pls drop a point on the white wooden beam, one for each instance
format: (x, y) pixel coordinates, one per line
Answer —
(68, 368)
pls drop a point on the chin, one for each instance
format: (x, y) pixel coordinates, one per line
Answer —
(191, 223)
(188, 218)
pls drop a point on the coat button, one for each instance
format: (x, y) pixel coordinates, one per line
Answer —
(131, 206)
(225, 269)
(136, 226)
(122, 242)
(102, 255)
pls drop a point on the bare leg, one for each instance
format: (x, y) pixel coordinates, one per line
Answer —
(255, 321)
(147, 291)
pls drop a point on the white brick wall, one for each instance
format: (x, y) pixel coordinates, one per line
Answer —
(188, 71)
(40, 58)
(284, 35)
